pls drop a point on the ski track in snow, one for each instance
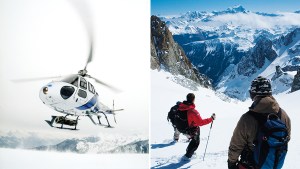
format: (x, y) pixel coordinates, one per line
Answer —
(165, 154)
(210, 161)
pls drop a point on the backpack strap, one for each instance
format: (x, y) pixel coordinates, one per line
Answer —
(262, 117)
(279, 113)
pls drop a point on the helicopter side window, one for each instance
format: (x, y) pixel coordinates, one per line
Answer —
(82, 93)
(83, 83)
(91, 88)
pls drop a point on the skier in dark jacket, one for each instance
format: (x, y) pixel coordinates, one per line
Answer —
(241, 143)
(194, 121)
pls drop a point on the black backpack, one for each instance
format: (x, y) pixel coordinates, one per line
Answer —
(172, 113)
(271, 141)
(179, 119)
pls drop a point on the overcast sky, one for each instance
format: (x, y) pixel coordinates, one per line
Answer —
(49, 38)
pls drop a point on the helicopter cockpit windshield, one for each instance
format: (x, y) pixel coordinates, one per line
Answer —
(71, 79)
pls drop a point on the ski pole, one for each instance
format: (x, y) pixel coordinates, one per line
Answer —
(207, 139)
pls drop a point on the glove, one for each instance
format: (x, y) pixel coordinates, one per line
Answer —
(213, 116)
(232, 165)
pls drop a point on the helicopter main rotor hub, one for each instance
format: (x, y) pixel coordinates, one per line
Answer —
(82, 72)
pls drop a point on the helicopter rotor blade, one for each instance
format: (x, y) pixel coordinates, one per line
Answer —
(106, 85)
(33, 79)
(90, 58)
(84, 12)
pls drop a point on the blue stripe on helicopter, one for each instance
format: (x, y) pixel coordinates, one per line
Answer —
(89, 104)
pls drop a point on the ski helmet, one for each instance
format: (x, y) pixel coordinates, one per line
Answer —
(261, 86)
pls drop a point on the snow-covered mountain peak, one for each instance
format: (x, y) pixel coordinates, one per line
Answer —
(232, 10)
(237, 8)
(194, 15)
(237, 18)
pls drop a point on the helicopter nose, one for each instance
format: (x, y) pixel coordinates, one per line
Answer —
(46, 94)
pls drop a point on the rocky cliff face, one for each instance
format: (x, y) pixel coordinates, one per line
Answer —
(288, 39)
(278, 73)
(274, 59)
(256, 58)
(296, 82)
(166, 54)
(212, 57)
(292, 45)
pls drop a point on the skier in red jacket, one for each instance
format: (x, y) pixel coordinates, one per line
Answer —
(194, 121)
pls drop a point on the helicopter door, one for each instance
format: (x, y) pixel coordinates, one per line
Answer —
(81, 96)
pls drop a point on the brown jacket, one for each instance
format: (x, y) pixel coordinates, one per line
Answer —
(246, 129)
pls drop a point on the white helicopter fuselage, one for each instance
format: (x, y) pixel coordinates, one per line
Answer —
(73, 95)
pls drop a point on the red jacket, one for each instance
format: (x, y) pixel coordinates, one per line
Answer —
(193, 116)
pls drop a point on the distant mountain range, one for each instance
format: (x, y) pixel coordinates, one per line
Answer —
(233, 46)
(94, 145)
(90, 144)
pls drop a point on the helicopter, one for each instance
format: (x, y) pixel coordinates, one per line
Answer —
(74, 96)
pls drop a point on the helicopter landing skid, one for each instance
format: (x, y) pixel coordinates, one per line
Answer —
(63, 120)
(105, 126)
(100, 124)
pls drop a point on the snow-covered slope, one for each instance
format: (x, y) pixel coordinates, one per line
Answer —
(16, 159)
(165, 154)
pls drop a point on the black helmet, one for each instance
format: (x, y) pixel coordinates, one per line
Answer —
(261, 86)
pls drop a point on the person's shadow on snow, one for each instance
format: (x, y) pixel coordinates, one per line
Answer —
(155, 146)
(172, 165)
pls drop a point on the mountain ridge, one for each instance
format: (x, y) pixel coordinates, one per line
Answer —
(233, 42)
(166, 54)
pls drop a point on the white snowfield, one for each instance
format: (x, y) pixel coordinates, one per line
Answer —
(16, 159)
(164, 154)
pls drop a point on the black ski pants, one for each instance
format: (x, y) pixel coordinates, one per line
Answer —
(194, 143)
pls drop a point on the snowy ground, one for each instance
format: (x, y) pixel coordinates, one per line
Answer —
(164, 154)
(16, 159)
